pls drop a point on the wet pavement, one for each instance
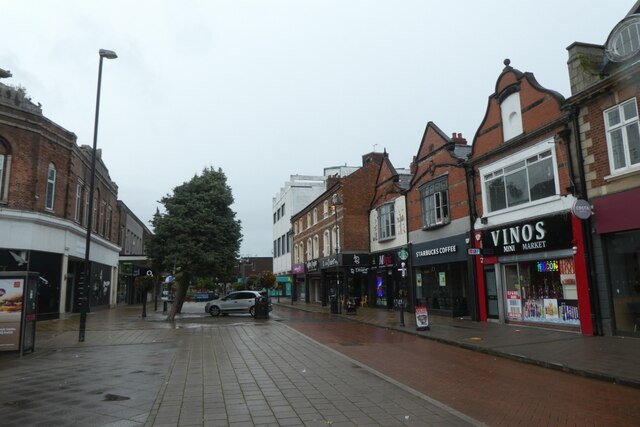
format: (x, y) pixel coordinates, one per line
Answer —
(199, 371)
(611, 359)
(305, 366)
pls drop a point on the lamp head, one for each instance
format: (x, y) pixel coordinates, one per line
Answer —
(109, 54)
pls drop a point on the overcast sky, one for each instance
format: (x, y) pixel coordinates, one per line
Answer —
(265, 89)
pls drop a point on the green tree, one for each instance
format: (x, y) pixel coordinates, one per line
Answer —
(267, 280)
(198, 233)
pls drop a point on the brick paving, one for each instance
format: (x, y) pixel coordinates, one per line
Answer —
(232, 371)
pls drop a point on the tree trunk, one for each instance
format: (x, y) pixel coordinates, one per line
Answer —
(176, 306)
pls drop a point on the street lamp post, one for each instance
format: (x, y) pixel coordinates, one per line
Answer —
(336, 201)
(85, 286)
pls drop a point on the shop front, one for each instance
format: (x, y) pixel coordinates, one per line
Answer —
(299, 291)
(617, 225)
(313, 280)
(441, 279)
(534, 272)
(390, 279)
(356, 275)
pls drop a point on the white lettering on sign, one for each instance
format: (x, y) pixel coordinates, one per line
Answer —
(519, 234)
(437, 251)
(533, 245)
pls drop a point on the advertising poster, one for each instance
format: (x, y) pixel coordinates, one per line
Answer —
(551, 309)
(514, 305)
(11, 291)
(422, 318)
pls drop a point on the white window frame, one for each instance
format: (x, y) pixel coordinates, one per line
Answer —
(78, 213)
(107, 225)
(309, 249)
(325, 209)
(336, 239)
(505, 163)
(4, 176)
(315, 216)
(434, 199)
(624, 127)
(316, 246)
(50, 197)
(326, 243)
(386, 222)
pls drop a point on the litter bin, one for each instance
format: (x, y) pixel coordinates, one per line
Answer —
(334, 305)
(261, 308)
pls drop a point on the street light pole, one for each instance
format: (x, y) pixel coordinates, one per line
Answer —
(85, 285)
(336, 201)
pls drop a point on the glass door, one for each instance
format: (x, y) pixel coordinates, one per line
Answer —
(514, 297)
(492, 293)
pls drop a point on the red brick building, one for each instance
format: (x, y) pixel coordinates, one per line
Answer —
(438, 221)
(532, 269)
(331, 236)
(44, 179)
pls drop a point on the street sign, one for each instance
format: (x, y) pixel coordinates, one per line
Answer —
(473, 251)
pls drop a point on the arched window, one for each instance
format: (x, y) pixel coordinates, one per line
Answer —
(5, 169)
(326, 243)
(316, 246)
(51, 187)
(309, 250)
(315, 216)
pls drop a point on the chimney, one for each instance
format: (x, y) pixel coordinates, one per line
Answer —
(413, 167)
(457, 138)
(585, 64)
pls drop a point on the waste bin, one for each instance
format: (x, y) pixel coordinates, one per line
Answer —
(334, 305)
(261, 308)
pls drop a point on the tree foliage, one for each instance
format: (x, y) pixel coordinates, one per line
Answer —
(198, 233)
(267, 280)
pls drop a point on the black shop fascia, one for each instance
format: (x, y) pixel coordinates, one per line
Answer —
(533, 235)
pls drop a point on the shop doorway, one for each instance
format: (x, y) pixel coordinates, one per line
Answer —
(493, 311)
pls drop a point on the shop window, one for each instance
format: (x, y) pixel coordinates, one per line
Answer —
(623, 257)
(542, 291)
(51, 187)
(515, 183)
(435, 203)
(623, 136)
(386, 222)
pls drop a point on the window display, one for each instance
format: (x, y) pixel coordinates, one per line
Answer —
(542, 291)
